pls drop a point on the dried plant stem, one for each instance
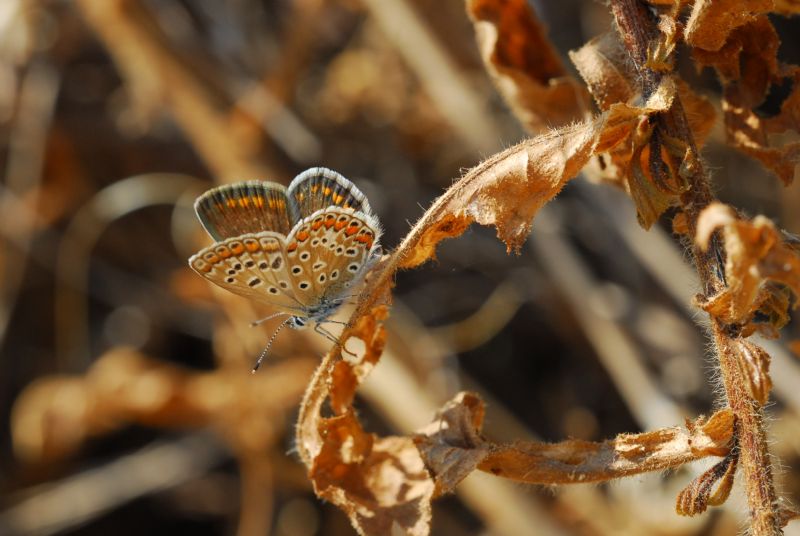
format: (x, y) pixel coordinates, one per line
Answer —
(637, 30)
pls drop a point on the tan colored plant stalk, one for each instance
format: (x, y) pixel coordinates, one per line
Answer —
(637, 31)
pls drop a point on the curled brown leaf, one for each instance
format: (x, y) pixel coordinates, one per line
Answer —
(754, 366)
(696, 497)
(452, 446)
(381, 484)
(524, 65)
(712, 21)
(749, 68)
(756, 253)
(54, 416)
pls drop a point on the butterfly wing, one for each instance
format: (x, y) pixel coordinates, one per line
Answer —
(252, 265)
(244, 207)
(318, 188)
(329, 251)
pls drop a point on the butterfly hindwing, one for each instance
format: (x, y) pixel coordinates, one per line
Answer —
(246, 207)
(319, 188)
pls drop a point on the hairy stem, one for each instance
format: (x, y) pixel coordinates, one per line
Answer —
(637, 30)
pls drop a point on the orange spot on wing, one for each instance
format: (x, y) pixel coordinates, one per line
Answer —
(339, 225)
(302, 236)
(337, 199)
(291, 247)
(327, 191)
(350, 231)
(231, 203)
(224, 253)
(244, 202)
(316, 225)
(259, 201)
(252, 246)
(237, 249)
(365, 239)
(330, 219)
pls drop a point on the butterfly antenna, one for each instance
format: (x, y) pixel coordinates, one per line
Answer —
(262, 320)
(269, 344)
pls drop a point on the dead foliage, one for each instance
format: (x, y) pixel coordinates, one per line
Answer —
(645, 135)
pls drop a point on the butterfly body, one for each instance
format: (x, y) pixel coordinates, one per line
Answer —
(300, 250)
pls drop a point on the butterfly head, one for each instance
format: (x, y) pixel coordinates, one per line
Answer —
(297, 322)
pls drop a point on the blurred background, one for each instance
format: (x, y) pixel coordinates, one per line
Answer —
(127, 403)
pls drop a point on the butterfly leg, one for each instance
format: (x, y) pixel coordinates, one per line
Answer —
(328, 335)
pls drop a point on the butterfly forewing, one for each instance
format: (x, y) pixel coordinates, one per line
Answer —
(253, 265)
(246, 207)
(320, 188)
(328, 252)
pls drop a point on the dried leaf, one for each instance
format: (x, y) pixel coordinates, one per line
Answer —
(604, 65)
(660, 53)
(712, 21)
(451, 445)
(381, 484)
(748, 66)
(756, 253)
(787, 514)
(524, 65)
(54, 416)
(696, 497)
(509, 189)
(754, 367)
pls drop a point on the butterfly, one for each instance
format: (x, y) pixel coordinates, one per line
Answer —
(300, 250)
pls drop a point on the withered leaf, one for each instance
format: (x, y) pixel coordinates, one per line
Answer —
(604, 65)
(700, 493)
(754, 367)
(451, 445)
(712, 20)
(748, 66)
(381, 484)
(756, 253)
(524, 65)
(54, 416)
